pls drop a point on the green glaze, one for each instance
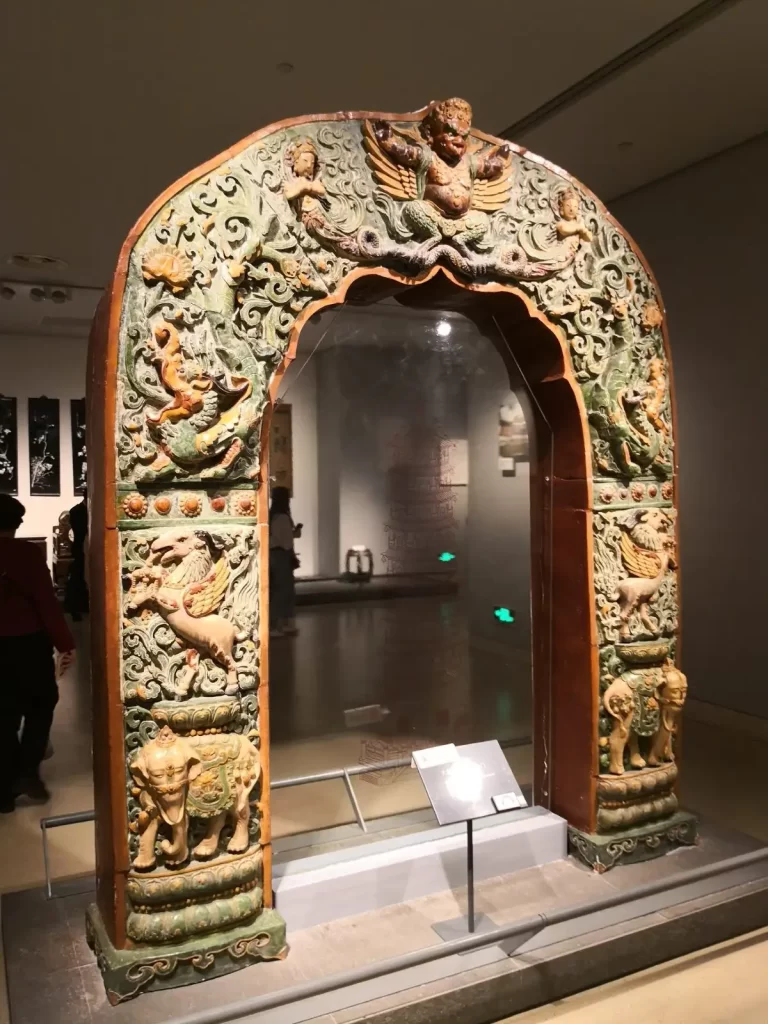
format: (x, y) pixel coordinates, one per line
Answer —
(631, 845)
(218, 281)
(127, 972)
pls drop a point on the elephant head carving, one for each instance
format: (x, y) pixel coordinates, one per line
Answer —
(672, 693)
(164, 768)
(631, 700)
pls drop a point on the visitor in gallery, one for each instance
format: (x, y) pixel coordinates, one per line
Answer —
(282, 563)
(32, 624)
(76, 601)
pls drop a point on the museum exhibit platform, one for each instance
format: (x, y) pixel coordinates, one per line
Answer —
(343, 883)
(52, 975)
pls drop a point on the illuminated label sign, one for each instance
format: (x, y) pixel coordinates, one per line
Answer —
(504, 614)
(447, 556)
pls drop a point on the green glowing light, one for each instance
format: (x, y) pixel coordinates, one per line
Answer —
(504, 614)
(447, 556)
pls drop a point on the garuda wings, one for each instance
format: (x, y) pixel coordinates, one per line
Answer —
(402, 182)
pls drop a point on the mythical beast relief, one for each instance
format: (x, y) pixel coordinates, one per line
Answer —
(191, 611)
(635, 584)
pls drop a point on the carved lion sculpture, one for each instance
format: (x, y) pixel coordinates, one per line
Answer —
(179, 777)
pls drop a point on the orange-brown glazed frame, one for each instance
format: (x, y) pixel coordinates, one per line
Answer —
(565, 673)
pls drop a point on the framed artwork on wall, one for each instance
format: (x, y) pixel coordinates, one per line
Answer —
(513, 436)
(9, 447)
(454, 465)
(79, 461)
(281, 448)
(44, 460)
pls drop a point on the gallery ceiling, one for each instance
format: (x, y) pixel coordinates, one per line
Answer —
(107, 104)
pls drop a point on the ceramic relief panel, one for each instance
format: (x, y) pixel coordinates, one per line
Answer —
(215, 282)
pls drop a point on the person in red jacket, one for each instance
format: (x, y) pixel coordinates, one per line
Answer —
(32, 624)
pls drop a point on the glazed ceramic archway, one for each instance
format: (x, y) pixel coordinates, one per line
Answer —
(211, 290)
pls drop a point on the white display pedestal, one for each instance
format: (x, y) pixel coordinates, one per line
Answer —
(313, 890)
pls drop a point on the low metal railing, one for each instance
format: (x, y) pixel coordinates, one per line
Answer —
(345, 774)
(512, 936)
(521, 931)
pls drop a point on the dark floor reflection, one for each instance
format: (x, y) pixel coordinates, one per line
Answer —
(410, 663)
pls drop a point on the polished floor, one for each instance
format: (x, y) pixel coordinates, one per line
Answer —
(350, 657)
(725, 984)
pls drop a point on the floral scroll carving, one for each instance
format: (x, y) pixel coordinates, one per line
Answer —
(223, 270)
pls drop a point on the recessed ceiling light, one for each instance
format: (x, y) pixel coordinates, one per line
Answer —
(285, 67)
(443, 328)
(35, 261)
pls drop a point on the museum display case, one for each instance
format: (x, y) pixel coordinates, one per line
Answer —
(215, 288)
(401, 459)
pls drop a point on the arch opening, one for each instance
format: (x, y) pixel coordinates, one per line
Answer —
(522, 354)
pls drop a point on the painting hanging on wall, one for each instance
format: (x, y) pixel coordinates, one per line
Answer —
(79, 463)
(44, 462)
(281, 448)
(9, 447)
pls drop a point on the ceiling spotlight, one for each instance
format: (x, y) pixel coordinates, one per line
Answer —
(37, 294)
(443, 328)
(285, 67)
(7, 292)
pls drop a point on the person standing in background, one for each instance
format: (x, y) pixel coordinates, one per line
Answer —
(77, 588)
(32, 624)
(282, 562)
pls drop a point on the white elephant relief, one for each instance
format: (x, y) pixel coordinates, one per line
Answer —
(644, 702)
(181, 777)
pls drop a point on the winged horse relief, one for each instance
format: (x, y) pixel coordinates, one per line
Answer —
(647, 552)
(183, 583)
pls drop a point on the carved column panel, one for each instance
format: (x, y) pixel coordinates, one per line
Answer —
(187, 738)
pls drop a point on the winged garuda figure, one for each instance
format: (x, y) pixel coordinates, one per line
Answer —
(448, 182)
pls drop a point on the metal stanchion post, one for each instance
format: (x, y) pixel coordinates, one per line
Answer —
(470, 878)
